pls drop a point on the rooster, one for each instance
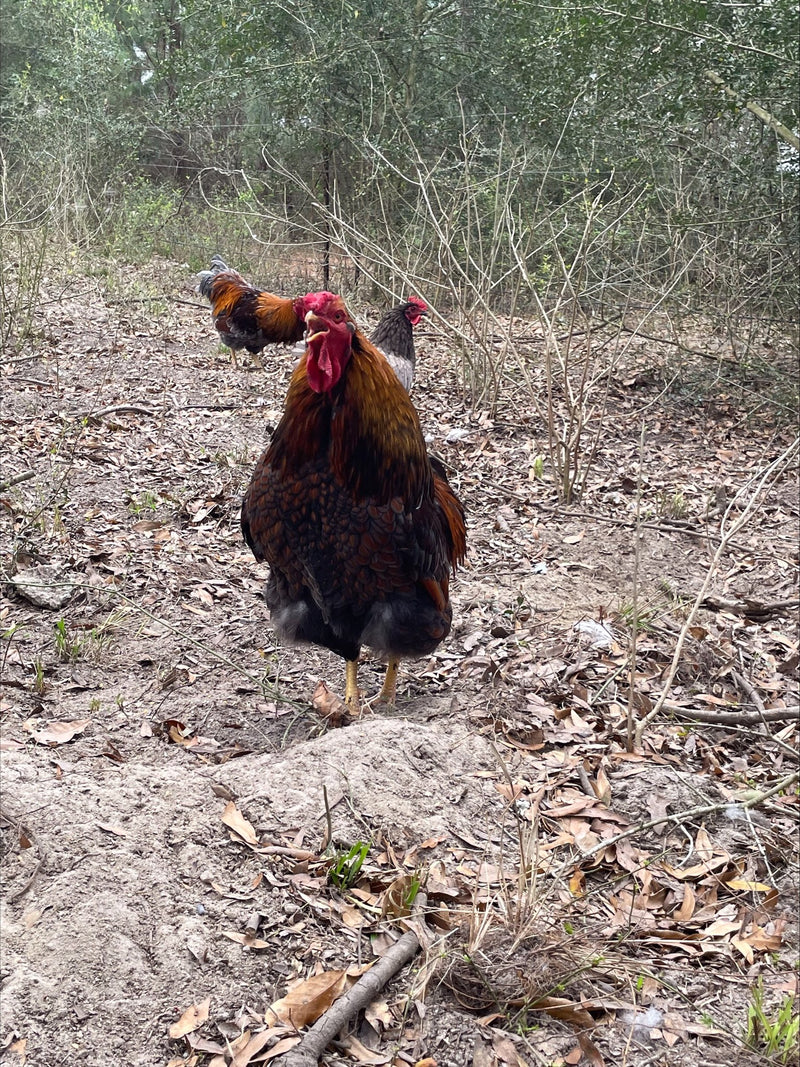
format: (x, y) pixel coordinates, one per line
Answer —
(361, 532)
(246, 317)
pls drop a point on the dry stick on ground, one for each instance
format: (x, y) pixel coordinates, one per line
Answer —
(772, 471)
(745, 801)
(751, 608)
(325, 1029)
(758, 703)
(24, 477)
(135, 408)
(736, 718)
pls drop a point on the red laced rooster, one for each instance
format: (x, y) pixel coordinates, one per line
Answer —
(361, 533)
(246, 317)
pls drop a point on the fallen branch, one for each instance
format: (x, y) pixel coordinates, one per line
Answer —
(745, 801)
(24, 477)
(325, 1029)
(735, 718)
(752, 608)
(136, 409)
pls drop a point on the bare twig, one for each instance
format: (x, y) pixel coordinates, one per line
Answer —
(637, 533)
(735, 718)
(745, 801)
(136, 409)
(24, 477)
(758, 703)
(760, 113)
(325, 1029)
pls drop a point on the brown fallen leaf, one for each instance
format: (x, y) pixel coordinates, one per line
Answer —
(566, 1010)
(602, 786)
(245, 940)
(58, 733)
(506, 1051)
(283, 1046)
(577, 883)
(590, 1051)
(361, 1054)
(193, 1018)
(686, 910)
(110, 828)
(748, 886)
(17, 1048)
(379, 1015)
(257, 1042)
(330, 707)
(234, 819)
(396, 901)
(432, 842)
(352, 917)
(763, 940)
(305, 1002)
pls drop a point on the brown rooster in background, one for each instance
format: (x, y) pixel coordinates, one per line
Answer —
(360, 531)
(246, 317)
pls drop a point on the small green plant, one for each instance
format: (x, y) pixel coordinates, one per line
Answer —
(347, 865)
(776, 1035)
(94, 705)
(146, 502)
(39, 684)
(100, 638)
(412, 891)
(67, 648)
(672, 505)
(538, 467)
(643, 618)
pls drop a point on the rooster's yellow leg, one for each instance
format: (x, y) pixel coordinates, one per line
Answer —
(387, 693)
(351, 685)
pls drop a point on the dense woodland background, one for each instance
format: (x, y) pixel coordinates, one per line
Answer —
(495, 155)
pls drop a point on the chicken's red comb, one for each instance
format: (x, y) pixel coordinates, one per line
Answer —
(418, 302)
(318, 302)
